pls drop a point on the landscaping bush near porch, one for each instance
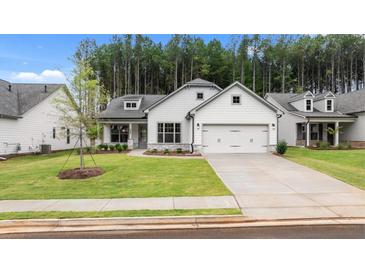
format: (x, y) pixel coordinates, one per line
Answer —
(35, 177)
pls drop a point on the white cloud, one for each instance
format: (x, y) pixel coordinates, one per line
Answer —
(25, 63)
(46, 76)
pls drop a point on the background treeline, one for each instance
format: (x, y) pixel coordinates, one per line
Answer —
(134, 64)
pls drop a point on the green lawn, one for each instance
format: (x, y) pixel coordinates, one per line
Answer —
(34, 177)
(116, 213)
(345, 165)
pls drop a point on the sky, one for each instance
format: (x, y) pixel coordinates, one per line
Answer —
(45, 58)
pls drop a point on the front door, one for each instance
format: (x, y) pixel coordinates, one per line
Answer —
(142, 136)
(329, 136)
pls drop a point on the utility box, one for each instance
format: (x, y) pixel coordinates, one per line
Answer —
(45, 149)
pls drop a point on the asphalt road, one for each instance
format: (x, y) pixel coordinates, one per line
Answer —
(288, 232)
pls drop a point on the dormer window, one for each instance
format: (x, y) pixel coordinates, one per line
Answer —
(130, 105)
(308, 105)
(329, 105)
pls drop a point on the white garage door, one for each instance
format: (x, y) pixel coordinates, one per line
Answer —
(235, 138)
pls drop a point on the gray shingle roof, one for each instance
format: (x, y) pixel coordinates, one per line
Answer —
(115, 109)
(22, 97)
(200, 82)
(284, 100)
(320, 114)
(351, 102)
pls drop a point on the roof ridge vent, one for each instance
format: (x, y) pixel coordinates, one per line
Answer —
(9, 88)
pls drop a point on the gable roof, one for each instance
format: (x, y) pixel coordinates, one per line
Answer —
(323, 95)
(115, 109)
(284, 100)
(351, 102)
(250, 92)
(194, 83)
(22, 97)
(300, 96)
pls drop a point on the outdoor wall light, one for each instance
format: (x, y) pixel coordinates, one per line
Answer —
(198, 126)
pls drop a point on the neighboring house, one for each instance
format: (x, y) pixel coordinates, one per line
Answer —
(306, 117)
(199, 116)
(29, 118)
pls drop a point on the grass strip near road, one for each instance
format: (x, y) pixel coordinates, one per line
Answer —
(345, 165)
(116, 213)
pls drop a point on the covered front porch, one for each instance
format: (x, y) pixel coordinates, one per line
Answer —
(133, 133)
(313, 131)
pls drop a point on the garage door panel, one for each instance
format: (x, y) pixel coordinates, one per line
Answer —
(235, 138)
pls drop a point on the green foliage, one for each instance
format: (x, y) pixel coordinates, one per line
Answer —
(119, 147)
(103, 147)
(166, 151)
(281, 147)
(111, 147)
(124, 146)
(154, 150)
(324, 145)
(179, 150)
(344, 145)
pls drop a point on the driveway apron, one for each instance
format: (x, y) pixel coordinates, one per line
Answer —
(270, 187)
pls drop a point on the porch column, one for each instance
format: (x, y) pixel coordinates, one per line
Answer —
(337, 135)
(130, 138)
(308, 135)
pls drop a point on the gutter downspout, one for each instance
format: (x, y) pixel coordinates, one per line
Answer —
(192, 132)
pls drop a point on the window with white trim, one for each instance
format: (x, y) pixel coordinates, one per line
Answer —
(308, 104)
(168, 132)
(130, 105)
(236, 99)
(329, 105)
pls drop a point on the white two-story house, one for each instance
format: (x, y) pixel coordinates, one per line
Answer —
(199, 116)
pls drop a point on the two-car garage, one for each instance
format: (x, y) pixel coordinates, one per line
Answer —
(235, 120)
(235, 138)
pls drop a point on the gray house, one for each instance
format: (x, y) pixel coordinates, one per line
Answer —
(306, 117)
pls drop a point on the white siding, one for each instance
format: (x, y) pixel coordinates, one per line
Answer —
(249, 112)
(34, 129)
(354, 131)
(287, 124)
(175, 109)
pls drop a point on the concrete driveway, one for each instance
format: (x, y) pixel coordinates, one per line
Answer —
(270, 187)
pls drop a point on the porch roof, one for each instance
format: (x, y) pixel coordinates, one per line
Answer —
(320, 114)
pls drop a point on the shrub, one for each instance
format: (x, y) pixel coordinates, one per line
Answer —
(179, 150)
(281, 147)
(111, 147)
(345, 145)
(100, 147)
(118, 145)
(324, 145)
(119, 148)
(154, 150)
(124, 147)
(166, 151)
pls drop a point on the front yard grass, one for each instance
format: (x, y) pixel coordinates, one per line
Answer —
(345, 165)
(35, 177)
(116, 213)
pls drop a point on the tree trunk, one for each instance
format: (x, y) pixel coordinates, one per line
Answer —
(351, 68)
(145, 79)
(191, 68)
(283, 77)
(363, 66)
(269, 77)
(243, 70)
(302, 74)
(333, 73)
(254, 74)
(318, 78)
(175, 82)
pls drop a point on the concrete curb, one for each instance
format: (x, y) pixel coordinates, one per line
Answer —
(154, 223)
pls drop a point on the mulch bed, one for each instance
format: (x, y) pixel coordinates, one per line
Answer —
(161, 153)
(77, 173)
